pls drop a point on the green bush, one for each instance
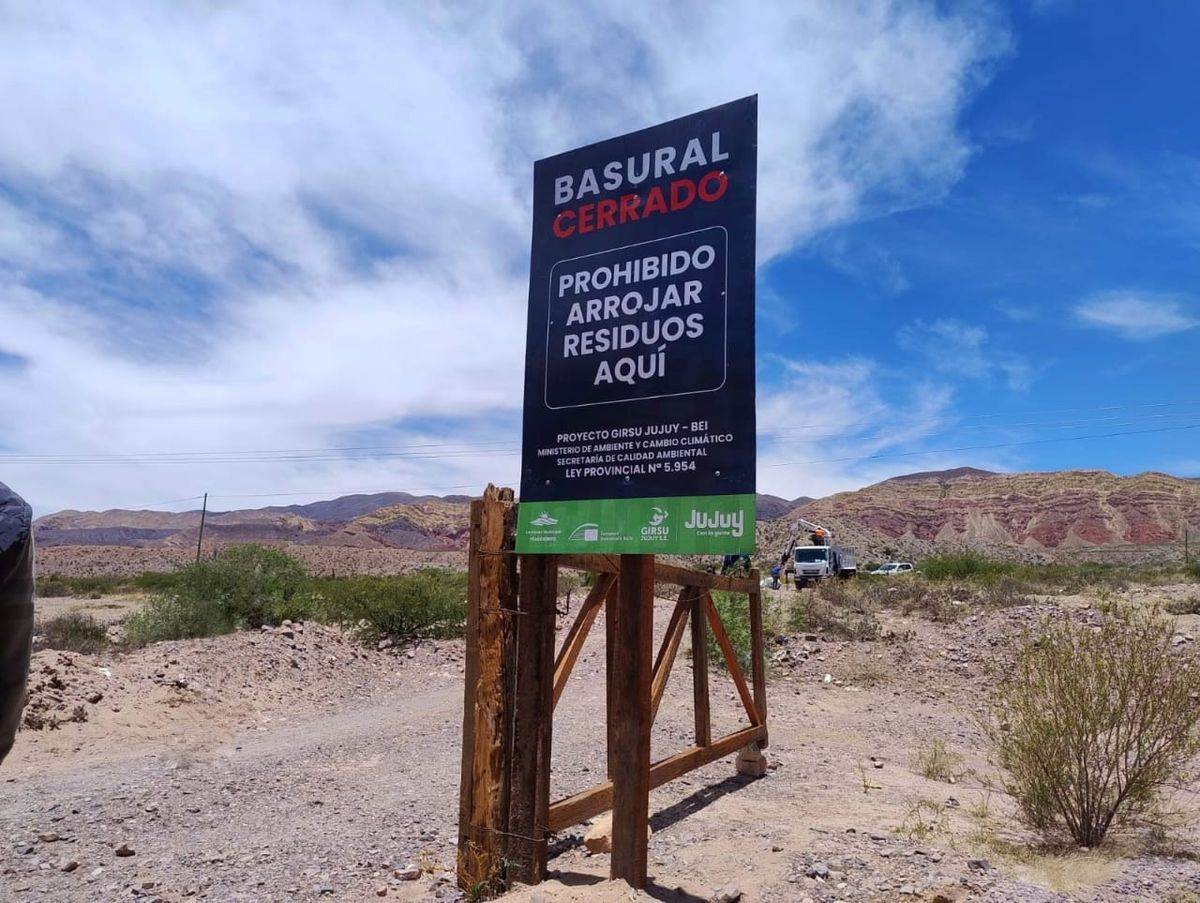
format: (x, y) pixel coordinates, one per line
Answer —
(74, 631)
(244, 586)
(80, 587)
(965, 566)
(96, 586)
(734, 610)
(1089, 725)
(173, 617)
(426, 603)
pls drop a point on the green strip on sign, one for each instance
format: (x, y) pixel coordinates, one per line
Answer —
(685, 525)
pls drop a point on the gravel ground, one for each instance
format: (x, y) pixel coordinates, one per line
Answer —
(294, 765)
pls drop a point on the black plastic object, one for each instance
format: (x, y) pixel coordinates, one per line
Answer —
(16, 610)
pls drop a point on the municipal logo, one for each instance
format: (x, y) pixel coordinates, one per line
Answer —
(655, 530)
(717, 523)
(585, 533)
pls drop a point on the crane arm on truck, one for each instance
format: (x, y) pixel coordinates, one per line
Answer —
(817, 535)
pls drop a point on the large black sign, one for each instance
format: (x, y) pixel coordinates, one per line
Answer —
(639, 379)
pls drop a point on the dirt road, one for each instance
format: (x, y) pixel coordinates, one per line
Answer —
(302, 768)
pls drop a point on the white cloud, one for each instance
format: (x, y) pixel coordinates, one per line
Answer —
(1137, 316)
(274, 225)
(822, 424)
(1017, 313)
(955, 348)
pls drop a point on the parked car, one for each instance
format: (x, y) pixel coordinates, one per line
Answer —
(892, 568)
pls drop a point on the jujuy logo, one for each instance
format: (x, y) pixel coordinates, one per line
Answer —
(735, 521)
(655, 529)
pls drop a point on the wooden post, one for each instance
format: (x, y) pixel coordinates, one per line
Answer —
(758, 665)
(487, 698)
(700, 668)
(629, 717)
(610, 642)
(200, 538)
(533, 711)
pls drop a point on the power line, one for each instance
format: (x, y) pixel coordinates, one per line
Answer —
(252, 452)
(991, 414)
(847, 437)
(510, 447)
(1045, 424)
(339, 492)
(937, 451)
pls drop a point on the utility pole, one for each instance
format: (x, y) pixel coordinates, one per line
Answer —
(203, 514)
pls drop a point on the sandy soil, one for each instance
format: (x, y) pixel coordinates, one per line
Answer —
(295, 765)
(107, 610)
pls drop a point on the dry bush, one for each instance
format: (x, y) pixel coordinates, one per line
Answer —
(870, 673)
(924, 819)
(942, 604)
(834, 609)
(1007, 592)
(74, 631)
(936, 761)
(1090, 725)
(1188, 606)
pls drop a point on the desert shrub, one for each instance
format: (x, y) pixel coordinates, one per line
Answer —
(96, 586)
(156, 581)
(169, 616)
(939, 602)
(1191, 569)
(734, 610)
(965, 566)
(815, 613)
(1089, 725)
(924, 820)
(1188, 606)
(79, 587)
(243, 586)
(254, 584)
(937, 761)
(1004, 593)
(425, 603)
(74, 631)
(870, 673)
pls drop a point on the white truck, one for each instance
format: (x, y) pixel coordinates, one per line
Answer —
(819, 559)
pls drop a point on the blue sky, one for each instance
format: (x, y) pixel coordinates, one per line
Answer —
(279, 252)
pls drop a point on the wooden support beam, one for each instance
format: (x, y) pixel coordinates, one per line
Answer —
(487, 699)
(669, 573)
(591, 802)
(578, 633)
(758, 664)
(533, 709)
(597, 564)
(666, 654)
(700, 669)
(629, 718)
(731, 662)
(663, 573)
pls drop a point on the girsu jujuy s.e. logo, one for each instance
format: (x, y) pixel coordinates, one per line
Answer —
(717, 522)
(655, 530)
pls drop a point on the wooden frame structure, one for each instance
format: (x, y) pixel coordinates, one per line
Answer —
(514, 680)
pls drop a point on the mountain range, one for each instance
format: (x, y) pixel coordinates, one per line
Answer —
(1013, 514)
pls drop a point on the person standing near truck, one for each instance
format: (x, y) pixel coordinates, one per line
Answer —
(16, 611)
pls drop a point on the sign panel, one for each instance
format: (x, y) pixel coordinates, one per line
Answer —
(639, 381)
